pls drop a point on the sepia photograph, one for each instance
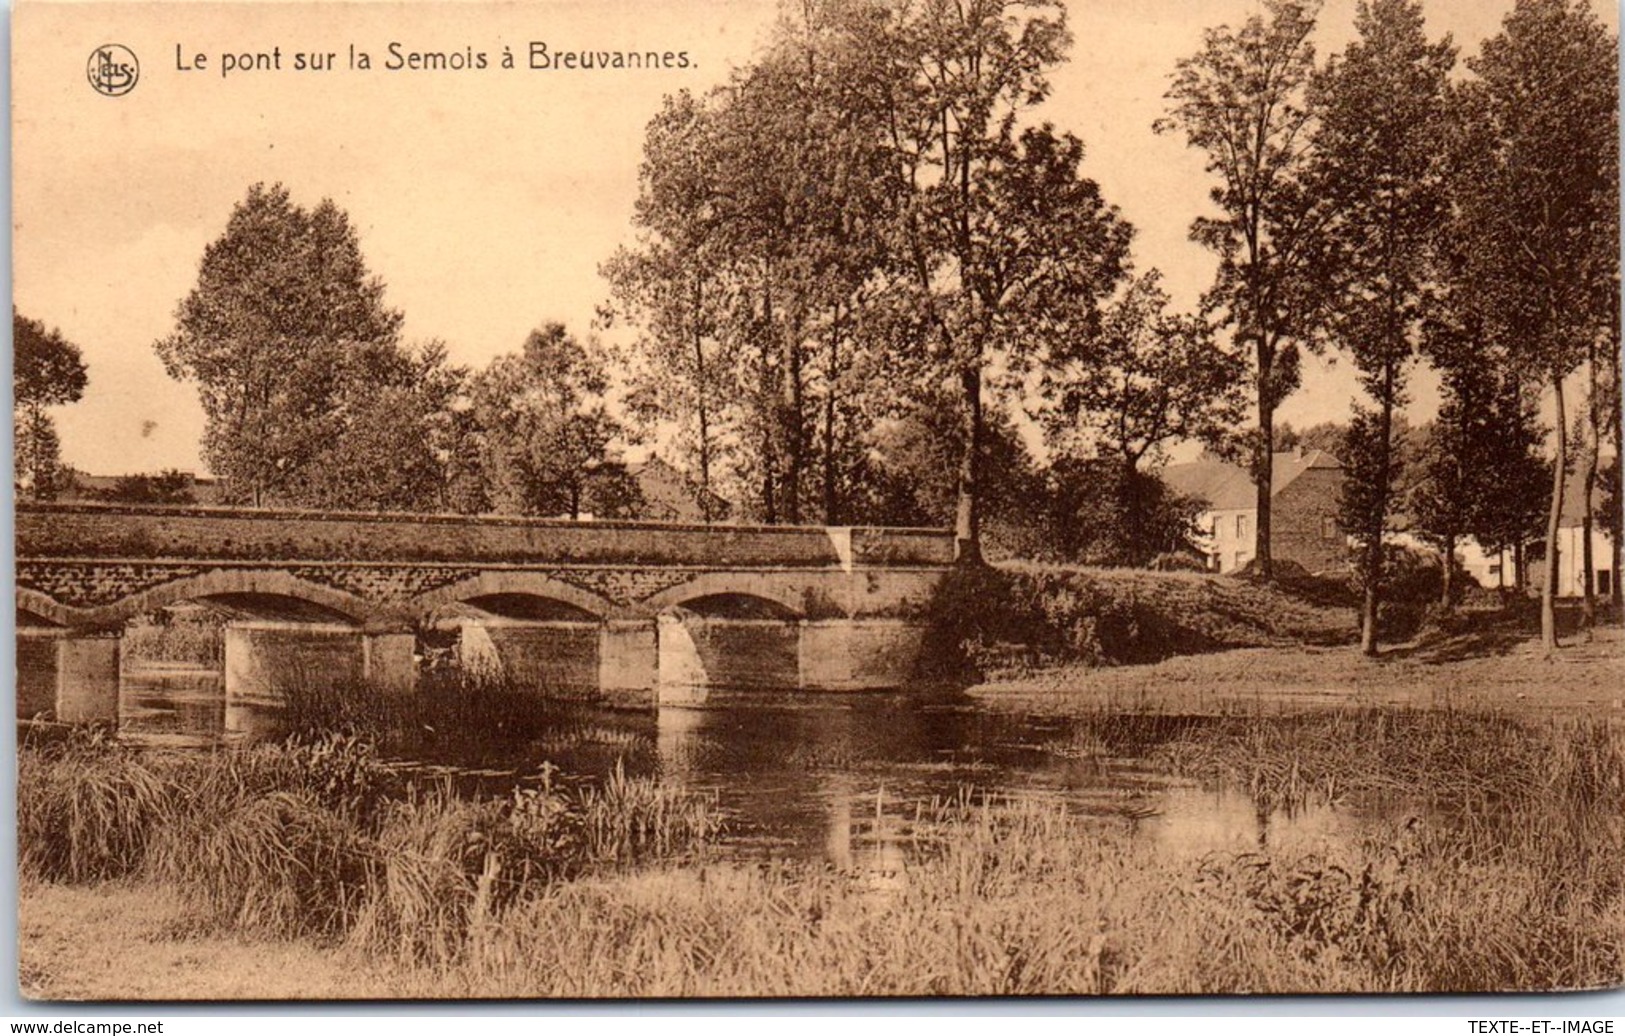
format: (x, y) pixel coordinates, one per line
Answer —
(587, 500)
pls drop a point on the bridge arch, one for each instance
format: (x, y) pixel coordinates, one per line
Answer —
(785, 598)
(240, 586)
(38, 609)
(512, 584)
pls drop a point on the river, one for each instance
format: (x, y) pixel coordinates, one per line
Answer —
(844, 778)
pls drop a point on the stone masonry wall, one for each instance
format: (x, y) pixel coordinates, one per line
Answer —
(1299, 516)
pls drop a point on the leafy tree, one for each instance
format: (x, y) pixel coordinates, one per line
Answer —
(1146, 379)
(284, 325)
(47, 371)
(1437, 489)
(910, 459)
(855, 217)
(1003, 237)
(674, 287)
(1537, 209)
(387, 454)
(761, 219)
(1480, 472)
(544, 424)
(1377, 171)
(1241, 99)
(1371, 477)
(1324, 435)
(1100, 512)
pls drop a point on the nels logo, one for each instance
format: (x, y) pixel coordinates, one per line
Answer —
(113, 69)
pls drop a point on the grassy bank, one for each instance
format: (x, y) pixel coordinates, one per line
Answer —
(1494, 865)
(1027, 617)
(1499, 670)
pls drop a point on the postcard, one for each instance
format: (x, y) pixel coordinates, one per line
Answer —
(823, 498)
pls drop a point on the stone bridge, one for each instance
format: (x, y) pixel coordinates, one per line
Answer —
(625, 606)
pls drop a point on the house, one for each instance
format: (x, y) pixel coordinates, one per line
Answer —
(1304, 487)
(1496, 570)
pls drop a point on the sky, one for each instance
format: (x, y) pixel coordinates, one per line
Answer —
(485, 200)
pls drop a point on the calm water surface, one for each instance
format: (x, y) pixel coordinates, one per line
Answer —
(842, 778)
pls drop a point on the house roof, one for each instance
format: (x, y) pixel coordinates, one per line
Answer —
(1228, 487)
(1574, 502)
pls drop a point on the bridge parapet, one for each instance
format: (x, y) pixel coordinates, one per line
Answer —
(219, 534)
(848, 605)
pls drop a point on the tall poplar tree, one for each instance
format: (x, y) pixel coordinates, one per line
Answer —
(1241, 99)
(1537, 202)
(1378, 172)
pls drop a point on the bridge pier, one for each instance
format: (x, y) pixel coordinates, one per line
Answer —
(628, 655)
(264, 660)
(69, 675)
(697, 654)
(389, 660)
(858, 654)
(537, 653)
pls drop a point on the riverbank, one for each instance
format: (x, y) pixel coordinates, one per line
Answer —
(1501, 668)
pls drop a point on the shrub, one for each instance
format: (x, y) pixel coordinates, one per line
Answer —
(985, 619)
(432, 879)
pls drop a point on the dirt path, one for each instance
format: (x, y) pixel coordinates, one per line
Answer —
(128, 942)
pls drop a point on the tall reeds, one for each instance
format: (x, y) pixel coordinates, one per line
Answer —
(321, 839)
(1487, 859)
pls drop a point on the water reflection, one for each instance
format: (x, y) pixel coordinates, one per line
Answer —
(1194, 821)
(848, 780)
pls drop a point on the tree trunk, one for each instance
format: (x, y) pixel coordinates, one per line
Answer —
(1447, 556)
(1554, 516)
(1588, 483)
(968, 518)
(791, 421)
(1616, 517)
(1588, 607)
(1263, 473)
(830, 504)
(768, 409)
(701, 388)
(1378, 519)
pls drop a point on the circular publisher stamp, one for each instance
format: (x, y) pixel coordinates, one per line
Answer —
(113, 69)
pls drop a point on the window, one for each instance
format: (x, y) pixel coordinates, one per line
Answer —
(1328, 527)
(1605, 581)
(1241, 526)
